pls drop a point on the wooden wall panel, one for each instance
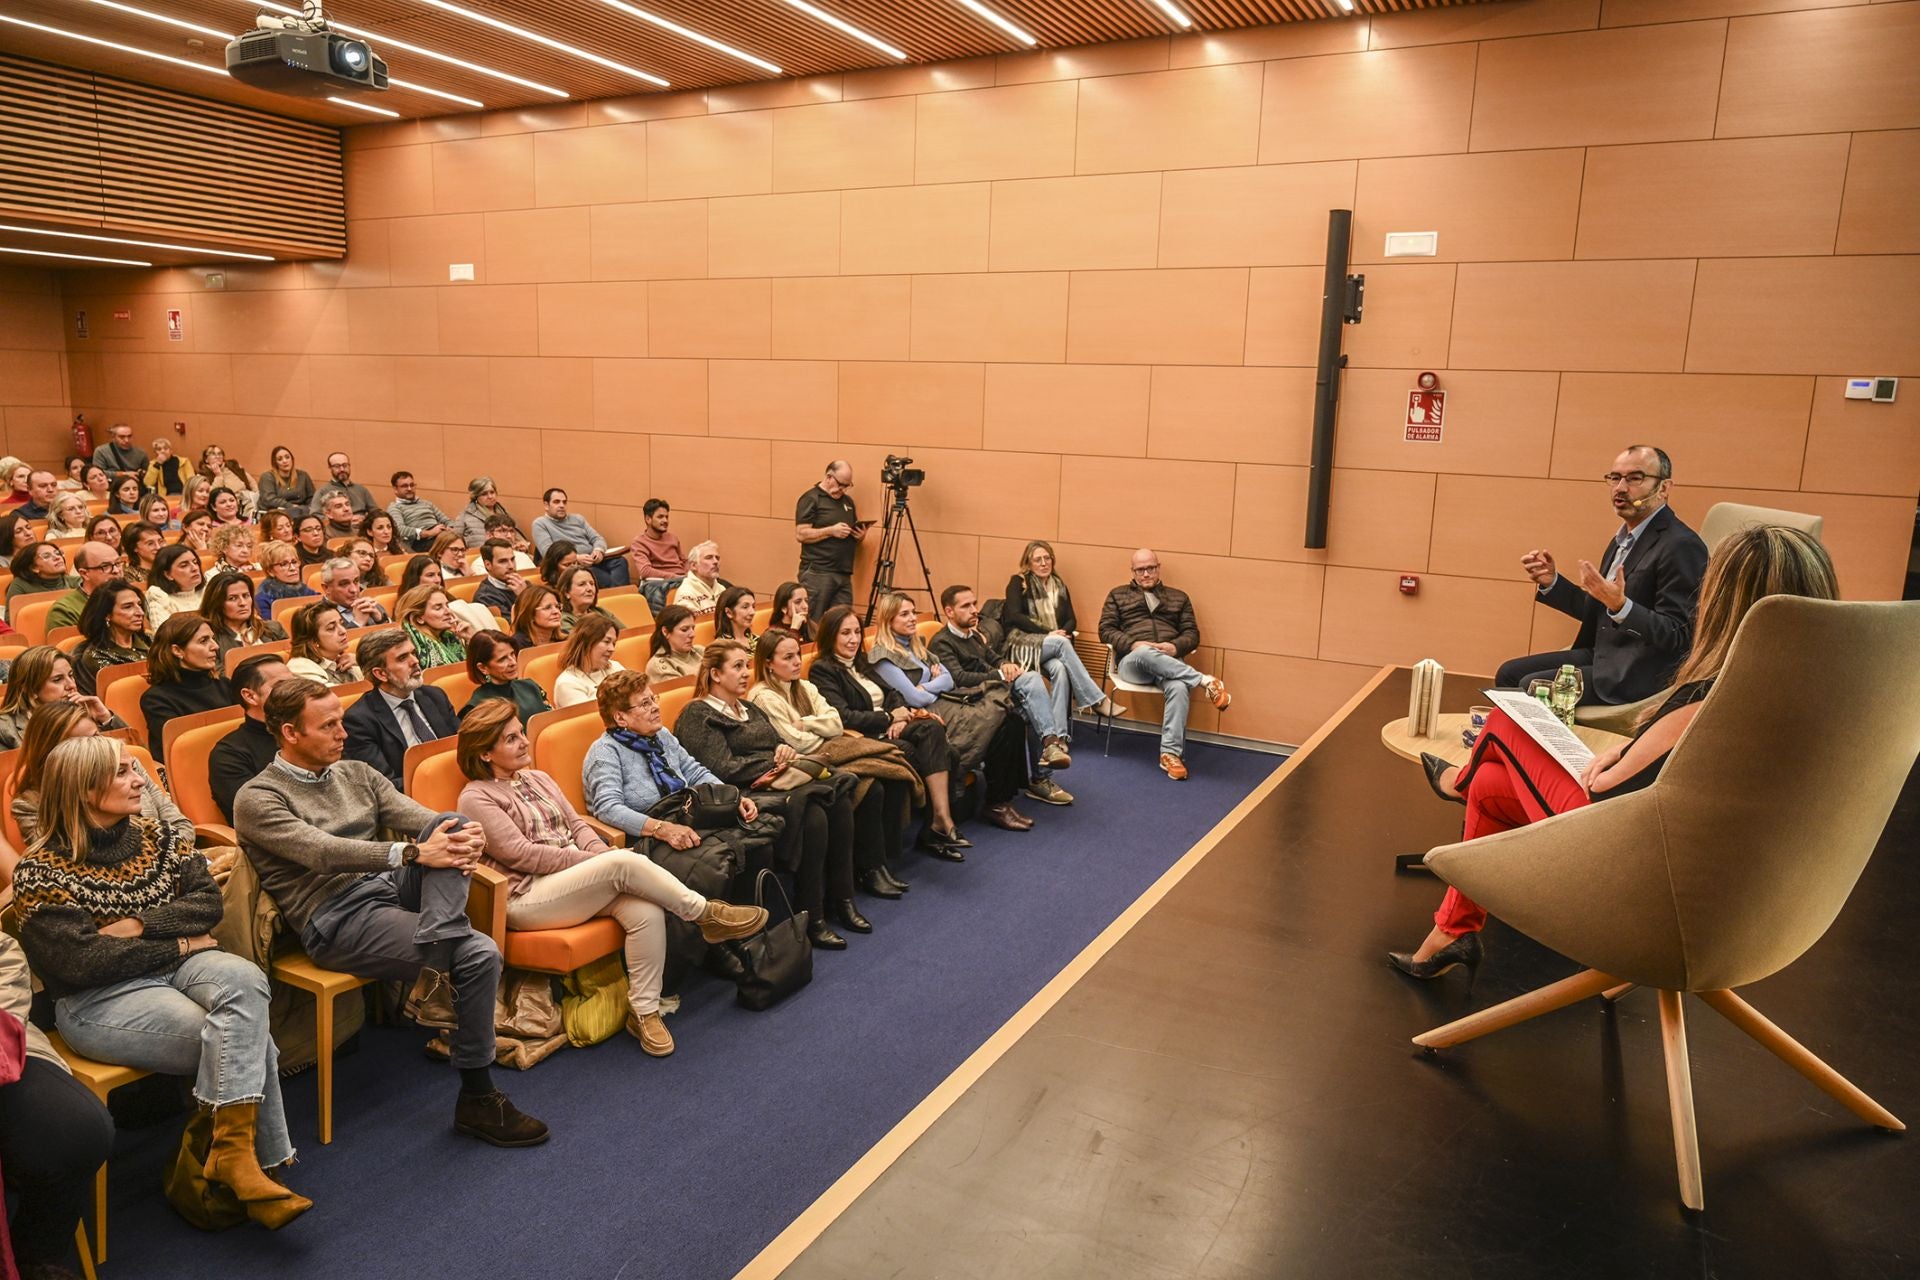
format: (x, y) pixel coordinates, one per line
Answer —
(1087, 305)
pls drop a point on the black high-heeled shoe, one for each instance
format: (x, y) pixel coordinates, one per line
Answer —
(874, 885)
(939, 846)
(848, 916)
(1434, 767)
(1463, 950)
(893, 881)
(823, 938)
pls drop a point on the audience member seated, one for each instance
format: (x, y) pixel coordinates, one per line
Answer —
(701, 589)
(227, 605)
(1636, 609)
(16, 534)
(67, 517)
(38, 567)
(43, 676)
(115, 626)
(501, 591)
(283, 567)
(790, 606)
(562, 873)
(829, 531)
(224, 505)
(159, 513)
(226, 474)
(359, 549)
(54, 1134)
(97, 484)
(962, 648)
(500, 525)
(53, 725)
(560, 557)
(586, 662)
(559, 526)
(847, 682)
(42, 488)
(493, 664)
(119, 452)
(381, 536)
(167, 473)
(116, 914)
(580, 598)
(278, 526)
(176, 580)
(808, 723)
(315, 827)
(284, 485)
(194, 495)
(658, 562)
(483, 505)
(737, 742)
(733, 616)
(320, 648)
(103, 528)
(337, 517)
(340, 480)
(402, 711)
(538, 617)
(19, 481)
(439, 635)
(1038, 617)
(232, 548)
(1150, 627)
(418, 522)
(449, 551)
(1510, 781)
(125, 493)
(672, 654)
(94, 565)
(310, 541)
(240, 756)
(196, 530)
(183, 676)
(76, 468)
(341, 593)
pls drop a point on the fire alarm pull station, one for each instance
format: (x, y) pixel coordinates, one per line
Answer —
(1409, 584)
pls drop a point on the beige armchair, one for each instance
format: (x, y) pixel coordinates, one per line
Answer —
(1724, 519)
(1737, 858)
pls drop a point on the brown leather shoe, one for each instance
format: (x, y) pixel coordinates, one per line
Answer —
(722, 922)
(651, 1032)
(1008, 818)
(492, 1117)
(1054, 754)
(1218, 695)
(1173, 766)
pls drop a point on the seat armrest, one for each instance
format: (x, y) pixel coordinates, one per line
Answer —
(487, 904)
(215, 833)
(612, 835)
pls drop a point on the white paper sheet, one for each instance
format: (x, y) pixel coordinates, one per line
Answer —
(1543, 727)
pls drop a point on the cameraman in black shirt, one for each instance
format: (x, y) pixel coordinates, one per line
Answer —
(829, 531)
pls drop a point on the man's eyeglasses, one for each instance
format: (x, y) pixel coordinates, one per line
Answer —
(1146, 568)
(1632, 479)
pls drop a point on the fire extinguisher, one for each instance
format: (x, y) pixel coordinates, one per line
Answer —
(82, 436)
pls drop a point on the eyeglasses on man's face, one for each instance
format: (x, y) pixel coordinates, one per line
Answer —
(1632, 479)
(1146, 568)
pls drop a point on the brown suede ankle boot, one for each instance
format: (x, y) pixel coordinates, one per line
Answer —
(230, 1157)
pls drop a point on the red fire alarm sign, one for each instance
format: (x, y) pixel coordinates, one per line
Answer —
(1426, 414)
(1409, 584)
(176, 330)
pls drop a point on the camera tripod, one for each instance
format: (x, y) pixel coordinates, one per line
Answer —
(899, 517)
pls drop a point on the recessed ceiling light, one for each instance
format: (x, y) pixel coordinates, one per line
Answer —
(143, 244)
(1000, 22)
(115, 45)
(364, 33)
(411, 87)
(1346, 6)
(361, 106)
(1173, 12)
(849, 28)
(536, 38)
(690, 34)
(222, 36)
(75, 257)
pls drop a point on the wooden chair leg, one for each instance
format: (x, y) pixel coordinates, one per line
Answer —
(1686, 1137)
(1519, 1009)
(85, 1251)
(100, 1215)
(1614, 993)
(323, 1057)
(1800, 1058)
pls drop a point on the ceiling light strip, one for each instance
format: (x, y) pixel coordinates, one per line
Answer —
(687, 32)
(397, 83)
(115, 45)
(1173, 12)
(75, 257)
(1000, 22)
(823, 16)
(365, 34)
(535, 37)
(142, 244)
(361, 106)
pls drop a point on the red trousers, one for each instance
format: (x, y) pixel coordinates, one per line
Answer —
(1509, 782)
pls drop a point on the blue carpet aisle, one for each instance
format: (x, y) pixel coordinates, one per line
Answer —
(685, 1168)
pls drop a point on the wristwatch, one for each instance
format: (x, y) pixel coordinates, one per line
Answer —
(410, 855)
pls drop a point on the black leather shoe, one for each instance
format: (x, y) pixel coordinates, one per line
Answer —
(874, 884)
(848, 916)
(723, 962)
(490, 1117)
(939, 846)
(1463, 950)
(1435, 766)
(1008, 818)
(825, 939)
(894, 881)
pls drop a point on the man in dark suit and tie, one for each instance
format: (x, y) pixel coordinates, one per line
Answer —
(1636, 609)
(400, 712)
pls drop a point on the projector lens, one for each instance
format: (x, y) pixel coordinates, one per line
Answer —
(351, 56)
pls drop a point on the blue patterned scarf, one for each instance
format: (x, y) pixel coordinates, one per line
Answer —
(654, 754)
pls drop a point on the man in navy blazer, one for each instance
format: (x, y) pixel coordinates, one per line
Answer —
(400, 711)
(1636, 609)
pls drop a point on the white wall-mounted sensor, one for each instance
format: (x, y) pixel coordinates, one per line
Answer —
(1412, 244)
(459, 271)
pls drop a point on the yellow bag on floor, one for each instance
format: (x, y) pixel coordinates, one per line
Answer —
(595, 1006)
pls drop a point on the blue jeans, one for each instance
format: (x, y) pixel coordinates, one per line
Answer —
(655, 590)
(1035, 707)
(1068, 683)
(1177, 681)
(206, 1019)
(611, 572)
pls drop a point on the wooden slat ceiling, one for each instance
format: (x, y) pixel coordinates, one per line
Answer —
(799, 44)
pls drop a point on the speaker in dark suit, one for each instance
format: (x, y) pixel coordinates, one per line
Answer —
(373, 728)
(1629, 653)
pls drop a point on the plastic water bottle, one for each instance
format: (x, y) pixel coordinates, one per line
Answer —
(1566, 693)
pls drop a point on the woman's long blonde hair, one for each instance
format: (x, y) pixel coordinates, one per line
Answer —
(1765, 560)
(886, 644)
(76, 772)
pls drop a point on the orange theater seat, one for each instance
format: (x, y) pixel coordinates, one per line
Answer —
(628, 605)
(563, 950)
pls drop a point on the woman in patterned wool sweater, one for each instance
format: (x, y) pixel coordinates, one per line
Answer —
(115, 914)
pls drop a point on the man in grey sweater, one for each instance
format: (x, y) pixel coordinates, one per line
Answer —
(556, 525)
(314, 826)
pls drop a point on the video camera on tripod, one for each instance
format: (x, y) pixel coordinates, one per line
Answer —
(899, 473)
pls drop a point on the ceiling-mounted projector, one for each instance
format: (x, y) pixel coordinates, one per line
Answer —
(302, 58)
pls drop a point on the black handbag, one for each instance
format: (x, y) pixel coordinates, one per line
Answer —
(702, 806)
(778, 959)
